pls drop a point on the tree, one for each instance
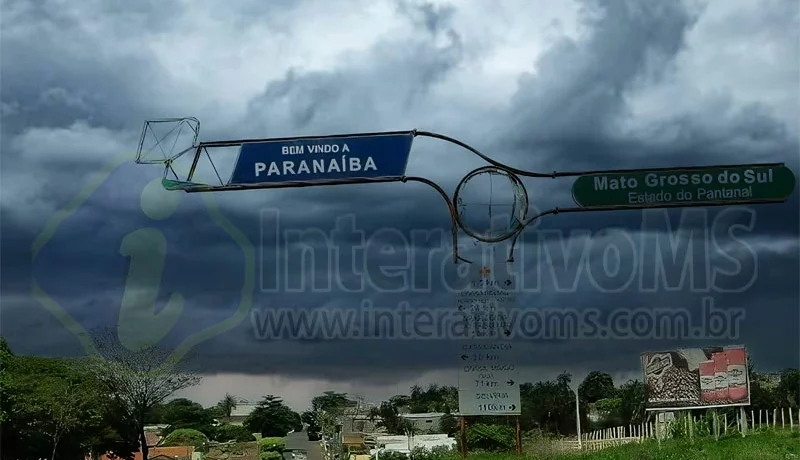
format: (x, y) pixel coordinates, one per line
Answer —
(549, 405)
(436, 398)
(331, 401)
(448, 425)
(788, 389)
(596, 386)
(5, 359)
(49, 400)
(391, 419)
(326, 409)
(632, 400)
(55, 411)
(272, 418)
(227, 404)
(138, 380)
(183, 413)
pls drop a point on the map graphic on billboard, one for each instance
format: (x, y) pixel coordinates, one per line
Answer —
(696, 378)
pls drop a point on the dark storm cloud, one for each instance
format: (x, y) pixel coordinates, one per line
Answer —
(568, 116)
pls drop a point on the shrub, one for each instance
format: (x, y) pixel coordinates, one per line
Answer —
(270, 455)
(434, 453)
(491, 438)
(391, 455)
(185, 437)
(271, 445)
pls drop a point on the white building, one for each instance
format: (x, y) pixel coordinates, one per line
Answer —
(240, 412)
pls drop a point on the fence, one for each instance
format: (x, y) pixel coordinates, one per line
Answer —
(755, 421)
(406, 444)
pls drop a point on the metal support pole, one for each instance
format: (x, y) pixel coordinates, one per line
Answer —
(578, 419)
(463, 437)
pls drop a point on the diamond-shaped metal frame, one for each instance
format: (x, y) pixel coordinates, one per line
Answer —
(169, 155)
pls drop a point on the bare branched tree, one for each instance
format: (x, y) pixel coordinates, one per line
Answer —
(138, 380)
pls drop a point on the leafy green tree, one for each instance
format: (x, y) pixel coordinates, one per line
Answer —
(788, 389)
(632, 400)
(272, 418)
(448, 424)
(331, 401)
(549, 405)
(762, 393)
(183, 413)
(50, 399)
(55, 411)
(435, 398)
(391, 420)
(326, 409)
(5, 359)
(596, 386)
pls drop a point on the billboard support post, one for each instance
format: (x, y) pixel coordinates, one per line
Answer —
(743, 421)
(715, 421)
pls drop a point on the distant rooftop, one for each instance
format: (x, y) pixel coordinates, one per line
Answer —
(424, 415)
(243, 409)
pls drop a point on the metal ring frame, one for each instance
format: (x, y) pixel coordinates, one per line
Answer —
(517, 226)
(456, 222)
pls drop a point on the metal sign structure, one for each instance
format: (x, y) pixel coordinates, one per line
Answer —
(322, 160)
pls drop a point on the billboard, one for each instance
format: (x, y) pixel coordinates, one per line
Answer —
(696, 378)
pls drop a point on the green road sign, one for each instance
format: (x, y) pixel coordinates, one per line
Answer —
(691, 186)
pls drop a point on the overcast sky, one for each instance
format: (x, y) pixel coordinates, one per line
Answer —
(544, 85)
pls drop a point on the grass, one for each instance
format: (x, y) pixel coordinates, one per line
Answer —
(769, 445)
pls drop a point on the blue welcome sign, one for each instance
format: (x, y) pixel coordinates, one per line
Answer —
(323, 159)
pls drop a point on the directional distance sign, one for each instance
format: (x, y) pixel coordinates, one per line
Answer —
(487, 378)
(486, 302)
(695, 186)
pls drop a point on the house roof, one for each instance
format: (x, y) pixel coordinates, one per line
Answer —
(171, 452)
(223, 452)
(152, 438)
(353, 438)
(243, 409)
(424, 415)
